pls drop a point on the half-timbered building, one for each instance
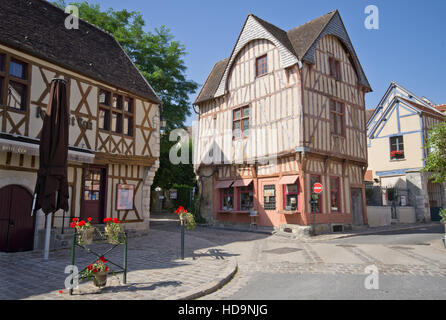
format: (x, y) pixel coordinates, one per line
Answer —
(396, 136)
(285, 110)
(114, 122)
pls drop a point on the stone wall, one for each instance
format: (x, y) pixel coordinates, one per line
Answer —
(418, 196)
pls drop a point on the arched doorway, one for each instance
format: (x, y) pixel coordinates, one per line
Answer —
(16, 222)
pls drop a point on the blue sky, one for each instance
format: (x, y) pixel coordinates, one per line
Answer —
(409, 47)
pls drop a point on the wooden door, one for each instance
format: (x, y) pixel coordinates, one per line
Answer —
(94, 193)
(16, 222)
(357, 207)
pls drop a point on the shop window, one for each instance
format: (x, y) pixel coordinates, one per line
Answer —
(396, 148)
(227, 199)
(241, 122)
(92, 186)
(316, 179)
(335, 194)
(290, 192)
(247, 198)
(261, 66)
(269, 197)
(336, 117)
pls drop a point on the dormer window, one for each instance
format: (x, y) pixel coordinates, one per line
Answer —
(261, 65)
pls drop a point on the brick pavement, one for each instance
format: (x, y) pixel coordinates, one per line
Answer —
(155, 270)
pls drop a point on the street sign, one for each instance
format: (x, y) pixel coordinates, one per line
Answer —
(317, 188)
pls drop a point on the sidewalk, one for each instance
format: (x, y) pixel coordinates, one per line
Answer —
(155, 271)
(365, 231)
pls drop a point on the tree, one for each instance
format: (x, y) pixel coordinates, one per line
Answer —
(436, 158)
(169, 173)
(159, 58)
(157, 55)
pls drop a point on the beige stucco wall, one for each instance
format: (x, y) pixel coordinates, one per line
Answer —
(379, 149)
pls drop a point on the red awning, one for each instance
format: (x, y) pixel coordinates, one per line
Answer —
(242, 183)
(224, 184)
(288, 179)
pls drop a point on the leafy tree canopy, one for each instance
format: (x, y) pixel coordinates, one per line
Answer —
(436, 158)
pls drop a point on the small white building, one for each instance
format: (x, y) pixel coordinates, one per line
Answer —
(396, 136)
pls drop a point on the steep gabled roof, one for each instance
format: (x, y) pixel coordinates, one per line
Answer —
(38, 28)
(210, 86)
(300, 42)
(303, 37)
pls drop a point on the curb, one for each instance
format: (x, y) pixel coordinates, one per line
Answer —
(237, 229)
(210, 287)
(382, 231)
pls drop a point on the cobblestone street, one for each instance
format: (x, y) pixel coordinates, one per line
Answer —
(156, 270)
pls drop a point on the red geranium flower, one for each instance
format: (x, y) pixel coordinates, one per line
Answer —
(89, 219)
(180, 209)
(81, 223)
(115, 220)
(107, 219)
(90, 267)
(75, 219)
(102, 258)
(106, 269)
(73, 224)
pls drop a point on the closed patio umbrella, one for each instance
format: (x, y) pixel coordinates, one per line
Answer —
(51, 192)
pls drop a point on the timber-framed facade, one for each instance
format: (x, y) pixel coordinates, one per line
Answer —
(306, 120)
(99, 158)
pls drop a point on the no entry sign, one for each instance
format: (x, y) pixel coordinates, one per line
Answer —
(317, 188)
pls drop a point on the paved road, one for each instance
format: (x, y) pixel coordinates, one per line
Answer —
(267, 286)
(273, 267)
(421, 236)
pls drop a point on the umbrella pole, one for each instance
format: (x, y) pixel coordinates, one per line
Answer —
(47, 236)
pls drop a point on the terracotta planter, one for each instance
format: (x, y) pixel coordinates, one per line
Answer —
(86, 236)
(100, 279)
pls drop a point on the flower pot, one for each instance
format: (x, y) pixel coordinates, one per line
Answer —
(100, 279)
(113, 237)
(86, 236)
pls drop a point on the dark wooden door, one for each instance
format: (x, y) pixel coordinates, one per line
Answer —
(357, 207)
(16, 222)
(94, 186)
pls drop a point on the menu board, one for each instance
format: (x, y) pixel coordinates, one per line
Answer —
(125, 194)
